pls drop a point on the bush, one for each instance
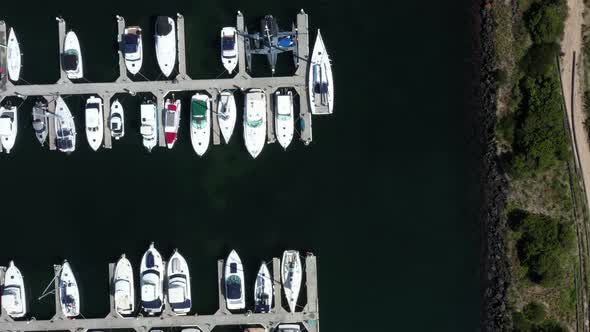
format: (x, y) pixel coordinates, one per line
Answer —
(540, 59)
(520, 323)
(545, 21)
(535, 312)
(549, 326)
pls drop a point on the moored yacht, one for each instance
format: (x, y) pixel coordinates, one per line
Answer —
(8, 126)
(284, 125)
(179, 284)
(69, 296)
(94, 122)
(152, 281)
(263, 291)
(40, 121)
(149, 124)
(255, 121)
(65, 128)
(321, 84)
(226, 114)
(72, 57)
(14, 300)
(291, 273)
(200, 122)
(229, 48)
(117, 120)
(171, 121)
(123, 287)
(234, 282)
(132, 49)
(166, 44)
(13, 56)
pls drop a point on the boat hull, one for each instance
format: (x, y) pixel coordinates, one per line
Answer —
(40, 122)
(152, 281)
(72, 43)
(134, 60)
(69, 295)
(172, 111)
(200, 129)
(291, 274)
(255, 121)
(166, 49)
(117, 120)
(229, 53)
(263, 291)
(234, 282)
(64, 122)
(123, 287)
(94, 122)
(9, 127)
(13, 56)
(320, 81)
(226, 114)
(14, 299)
(149, 125)
(179, 285)
(284, 125)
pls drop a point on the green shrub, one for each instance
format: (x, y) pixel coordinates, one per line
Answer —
(520, 323)
(535, 312)
(545, 20)
(540, 59)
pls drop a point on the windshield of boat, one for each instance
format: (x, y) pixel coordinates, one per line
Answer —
(234, 287)
(199, 114)
(228, 43)
(254, 123)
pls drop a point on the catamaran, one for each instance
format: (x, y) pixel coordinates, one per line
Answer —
(321, 84)
(152, 281)
(8, 126)
(291, 273)
(94, 122)
(13, 56)
(149, 124)
(40, 121)
(165, 44)
(171, 121)
(226, 114)
(200, 123)
(263, 291)
(229, 48)
(123, 287)
(179, 284)
(234, 282)
(69, 295)
(65, 128)
(255, 121)
(284, 117)
(72, 57)
(133, 49)
(117, 120)
(14, 300)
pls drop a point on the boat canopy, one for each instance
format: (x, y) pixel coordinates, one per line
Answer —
(130, 44)
(172, 107)
(64, 143)
(228, 43)
(199, 114)
(163, 27)
(285, 41)
(234, 287)
(70, 60)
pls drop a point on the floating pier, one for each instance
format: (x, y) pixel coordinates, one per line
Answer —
(308, 317)
(181, 82)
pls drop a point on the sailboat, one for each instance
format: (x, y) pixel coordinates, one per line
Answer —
(226, 114)
(321, 84)
(263, 291)
(179, 284)
(152, 281)
(234, 282)
(255, 121)
(40, 121)
(165, 44)
(69, 296)
(13, 56)
(14, 300)
(72, 57)
(149, 124)
(291, 274)
(133, 49)
(123, 287)
(229, 48)
(65, 128)
(200, 122)
(94, 122)
(117, 120)
(284, 125)
(8, 126)
(171, 121)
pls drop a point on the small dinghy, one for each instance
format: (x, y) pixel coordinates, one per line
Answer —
(152, 281)
(123, 287)
(234, 282)
(72, 57)
(117, 120)
(166, 44)
(200, 123)
(255, 121)
(226, 114)
(133, 49)
(13, 56)
(40, 121)
(229, 48)
(320, 85)
(149, 124)
(263, 291)
(171, 121)
(65, 128)
(94, 122)
(179, 284)
(291, 274)
(14, 300)
(8, 126)
(69, 295)
(284, 125)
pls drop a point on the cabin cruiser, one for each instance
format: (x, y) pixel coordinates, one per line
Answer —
(152, 281)
(94, 122)
(291, 274)
(65, 128)
(40, 121)
(117, 120)
(69, 295)
(263, 290)
(14, 300)
(123, 287)
(149, 124)
(200, 122)
(132, 49)
(226, 114)
(229, 48)
(179, 284)
(171, 121)
(13, 56)
(284, 125)
(255, 121)
(234, 282)
(72, 57)
(165, 44)
(8, 126)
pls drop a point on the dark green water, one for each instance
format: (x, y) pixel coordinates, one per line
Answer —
(382, 195)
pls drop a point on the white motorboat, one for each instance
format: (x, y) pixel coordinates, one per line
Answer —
(321, 84)
(171, 121)
(13, 56)
(69, 295)
(291, 273)
(234, 282)
(166, 44)
(229, 48)
(72, 57)
(288, 328)
(117, 120)
(123, 287)
(263, 291)
(94, 122)
(255, 121)
(149, 124)
(179, 284)
(226, 114)
(8, 126)
(14, 299)
(132, 48)
(200, 122)
(152, 281)
(40, 121)
(284, 124)
(65, 128)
